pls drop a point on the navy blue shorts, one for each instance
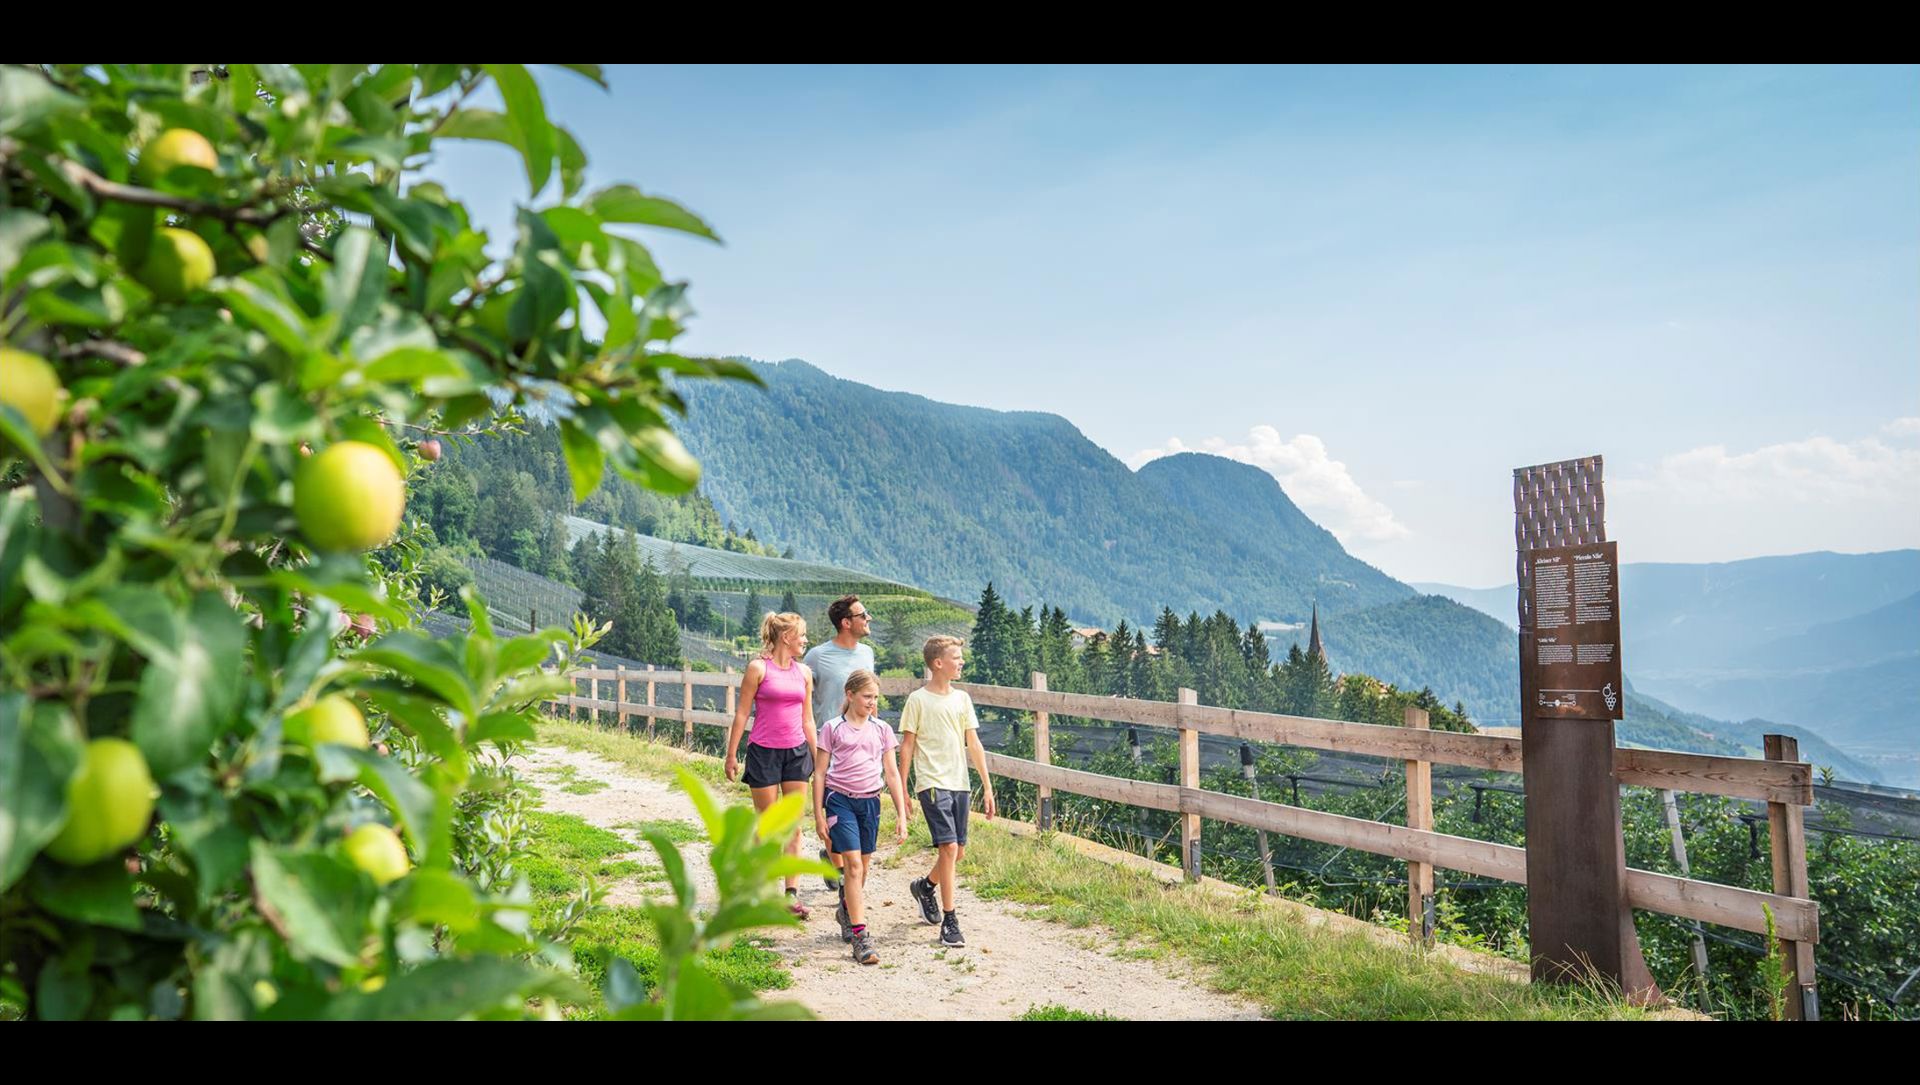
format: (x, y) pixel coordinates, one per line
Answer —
(852, 824)
(946, 813)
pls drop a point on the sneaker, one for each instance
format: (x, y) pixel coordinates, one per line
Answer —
(863, 949)
(950, 932)
(833, 883)
(797, 908)
(846, 922)
(924, 892)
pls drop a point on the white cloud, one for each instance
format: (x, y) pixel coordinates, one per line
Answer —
(1316, 482)
(1816, 471)
(1902, 427)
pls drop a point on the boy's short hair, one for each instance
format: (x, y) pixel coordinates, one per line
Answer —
(937, 647)
(839, 610)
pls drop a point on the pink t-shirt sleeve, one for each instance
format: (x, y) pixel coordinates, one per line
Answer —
(888, 742)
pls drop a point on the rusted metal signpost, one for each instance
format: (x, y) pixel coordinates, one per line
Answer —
(1571, 691)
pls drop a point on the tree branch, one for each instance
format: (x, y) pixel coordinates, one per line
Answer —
(103, 189)
(104, 348)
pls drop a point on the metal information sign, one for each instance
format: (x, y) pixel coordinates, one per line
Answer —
(1574, 647)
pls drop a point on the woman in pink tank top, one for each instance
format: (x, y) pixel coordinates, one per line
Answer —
(778, 688)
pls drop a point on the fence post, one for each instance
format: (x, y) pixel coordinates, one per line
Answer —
(620, 697)
(1139, 814)
(1679, 845)
(1042, 755)
(1419, 816)
(651, 718)
(1189, 778)
(1786, 827)
(733, 698)
(573, 698)
(686, 709)
(593, 698)
(1253, 791)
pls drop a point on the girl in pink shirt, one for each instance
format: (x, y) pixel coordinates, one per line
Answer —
(857, 761)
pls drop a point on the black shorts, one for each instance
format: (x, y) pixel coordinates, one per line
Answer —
(771, 768)
(946, 813)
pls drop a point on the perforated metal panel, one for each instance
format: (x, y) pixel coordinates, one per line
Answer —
(1555, 504)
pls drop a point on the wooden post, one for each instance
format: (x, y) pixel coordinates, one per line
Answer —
(573, 698)
(1042, 755)
(1253, 791)
(1678, 842)
(1786, 827)
(620, 697)
(1419, 816)
(651, 718)
(733, 698)
(686, 710)
(593, 694)
(1190, 778)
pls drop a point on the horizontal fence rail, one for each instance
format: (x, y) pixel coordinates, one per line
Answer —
(1780, 783)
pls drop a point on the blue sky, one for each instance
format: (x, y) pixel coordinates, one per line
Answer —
(1387, 286)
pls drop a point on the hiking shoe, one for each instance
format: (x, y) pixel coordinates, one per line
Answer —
(863, 948)
(797, 908)
(950, 932)
(833, 884)
(846, 922)
(924, 892)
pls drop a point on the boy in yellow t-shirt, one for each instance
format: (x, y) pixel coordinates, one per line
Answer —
(940, 735)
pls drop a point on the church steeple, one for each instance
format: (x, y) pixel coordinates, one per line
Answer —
(1313, 637)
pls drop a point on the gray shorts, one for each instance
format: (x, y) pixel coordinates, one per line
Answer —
(946, 813)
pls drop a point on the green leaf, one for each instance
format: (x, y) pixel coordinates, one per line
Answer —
(573, 163)
(664, 463)
(411, 365)
(321, 901)
(625, 203)
(310, 652)
(19, 229)
(187, 699)
(738, 917)
(527, 652)
(580, 234)
(357, 280)
(528, 116)
(585, 459)
(624, 987)
(443, 990)
(256, 299)
(699, 996)
(591, 71)
(482, 124)
(26, 99)
(675, 865)
(351, 594)
(437, 898)
(502, 727)
(411, 800)
(281, 417)
(55, 181)
(37, 758)
(64, 991)
(429, 662)
(418, 717)
(202, 826)
(101, 893)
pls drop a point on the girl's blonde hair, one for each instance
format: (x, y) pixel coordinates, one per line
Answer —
(860, 679)
(774, 627)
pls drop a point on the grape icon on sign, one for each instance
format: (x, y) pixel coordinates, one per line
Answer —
(1607, 693)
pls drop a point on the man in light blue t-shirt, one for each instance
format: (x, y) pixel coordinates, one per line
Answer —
(832, 661)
